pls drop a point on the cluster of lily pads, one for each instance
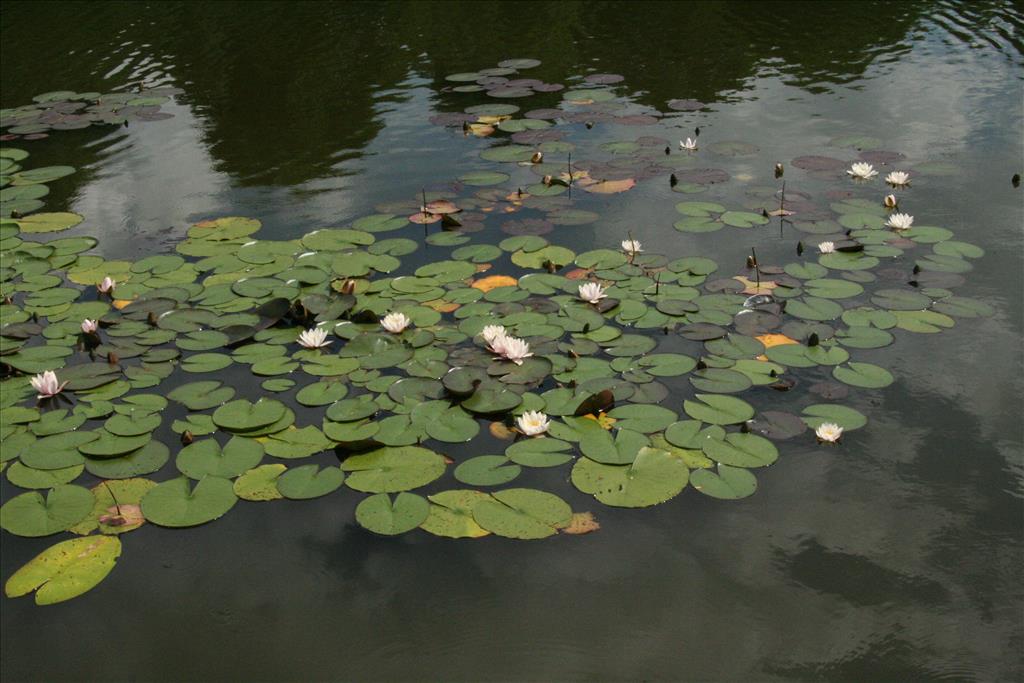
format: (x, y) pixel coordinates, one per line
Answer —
(617, 368)
(69, 110)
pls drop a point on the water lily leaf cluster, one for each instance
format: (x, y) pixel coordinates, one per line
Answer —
(246, 369)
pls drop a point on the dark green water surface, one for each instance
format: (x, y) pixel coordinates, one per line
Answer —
(895, 557)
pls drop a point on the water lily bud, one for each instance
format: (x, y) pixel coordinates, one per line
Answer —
(537, 157)
(1015, 180)
(813, 339)
(547, 180)
(187, 438)
(112, 358)
(672, 180)
(750, 262)
(799, 248)
(151, 319)
(779, 170)
(890, 201)
(589, 124)
(668, 150)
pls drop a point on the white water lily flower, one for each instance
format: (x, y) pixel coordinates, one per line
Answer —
(862, 170)
(315, 338)
(90, 326)
(592, 292)
(106, 285)
(631, 247)
(688, 144)
(395, 322)
(532, 422)
(829, 431)
(890, 201)
(47, 384)
(900, 221)
(898, 178)
(492, 332)
(514, 349)
(827, 247)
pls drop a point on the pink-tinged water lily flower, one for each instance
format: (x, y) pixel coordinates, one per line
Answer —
(827, 247)
(47, 385)
(900, 221)
(314, 338)
(890, 201)
(898, 178)
(688, 144)
(532, 423)
(514, 349)
(106, 285)
(492, 332)
(395, 322)
(90, 326)
(592, 292)
(631, 247)
(862, 170)
(829, 432)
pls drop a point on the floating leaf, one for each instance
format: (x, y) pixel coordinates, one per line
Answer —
(31, 514)
(653, 477)
(309, 481)
(720, 410)
(729, 483)
(175, 504)
(522, 513)
(393, 469)
(65, 570)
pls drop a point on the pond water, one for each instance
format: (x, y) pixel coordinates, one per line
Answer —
(893, 555)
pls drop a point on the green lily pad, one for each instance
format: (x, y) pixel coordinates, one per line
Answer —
(728, 483)
(653, 477)
(844, 416)
(241, 415)
(487, 470)
(381, 515)
(259, 483)
(392, 469)
(539, 452)
(522, 513)
(719, 410)
(206, 457)
(741, 450)
(864, 375)
(33, 515)
(65, 570)
(309, 481)
(175, 503)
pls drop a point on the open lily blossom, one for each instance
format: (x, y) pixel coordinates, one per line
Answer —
(862, 170)
(828, 432)
(106, 285)
(898, 178)
(688, 144)
(900, 221)
(90, 326)
(890, 201)
(631, 246)
(592, 292)
(532, 423)
(47, 384)
(514, 349)
(492, 332)
(827, 247)
(395, 322)
(315, 338)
